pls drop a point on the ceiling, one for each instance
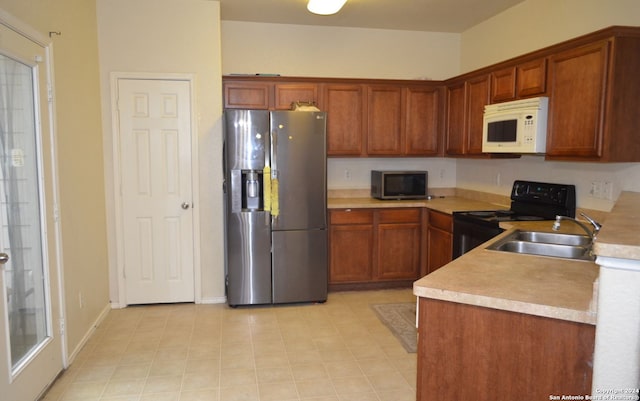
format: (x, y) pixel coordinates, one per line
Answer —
(413, 15)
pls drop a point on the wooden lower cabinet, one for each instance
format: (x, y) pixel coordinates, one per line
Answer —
(398, 234)
(439, 240)
(376, 246)
(468, 352)
(350, 246)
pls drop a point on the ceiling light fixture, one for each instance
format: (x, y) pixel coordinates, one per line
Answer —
(325, 7)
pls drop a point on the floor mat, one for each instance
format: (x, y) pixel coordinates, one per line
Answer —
(401, 320)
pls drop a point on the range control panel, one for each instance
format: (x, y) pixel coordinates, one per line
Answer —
(561, 196)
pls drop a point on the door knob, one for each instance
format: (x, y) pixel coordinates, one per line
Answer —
(4, 258)
(185, 205)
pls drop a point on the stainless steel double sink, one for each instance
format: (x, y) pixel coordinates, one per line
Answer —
(559, 245)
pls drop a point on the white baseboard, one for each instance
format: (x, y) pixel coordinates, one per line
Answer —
(89, 333)
(214, 300)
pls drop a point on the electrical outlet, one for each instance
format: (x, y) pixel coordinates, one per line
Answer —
(347, 174)
(607, 190)
(596, 189)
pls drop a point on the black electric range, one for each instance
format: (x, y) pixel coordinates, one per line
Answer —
(530, 201)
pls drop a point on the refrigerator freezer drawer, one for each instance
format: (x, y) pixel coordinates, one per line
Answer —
(299, 266)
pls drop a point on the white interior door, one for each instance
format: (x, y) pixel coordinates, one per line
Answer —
(156, 179)
(30, 342)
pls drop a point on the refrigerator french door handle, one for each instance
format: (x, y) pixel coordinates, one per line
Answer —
(266, 179)
(275, 204)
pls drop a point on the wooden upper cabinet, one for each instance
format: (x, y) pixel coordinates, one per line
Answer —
(403, 120)
(456, 119)
(422, 130)
(286, 94)
(531, 78)
(593, 101)
(519, 81)
(345, 119)
(268, 95)
(503, 85)
(465, 104)
(247, 95)
(577, 88)
(478, 97)
(385, 122)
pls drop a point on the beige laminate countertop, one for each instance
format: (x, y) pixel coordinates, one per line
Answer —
(620, 233)
(535, 285)
(447, 204)
(549, 287)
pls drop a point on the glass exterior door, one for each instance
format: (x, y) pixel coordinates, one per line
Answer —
(30, 349)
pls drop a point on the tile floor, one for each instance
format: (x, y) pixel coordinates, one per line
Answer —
(326, 352)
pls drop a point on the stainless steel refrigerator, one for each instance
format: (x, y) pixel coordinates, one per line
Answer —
(275, 206)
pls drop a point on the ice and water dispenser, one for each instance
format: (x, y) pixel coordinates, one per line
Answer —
(252, 190)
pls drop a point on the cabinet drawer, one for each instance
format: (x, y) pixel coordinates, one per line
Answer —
(399, 215)
(351, 216)
(440, 220)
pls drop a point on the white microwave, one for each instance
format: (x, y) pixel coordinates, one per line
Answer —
(519, 126)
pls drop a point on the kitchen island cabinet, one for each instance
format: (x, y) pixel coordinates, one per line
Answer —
(375, 247)
(497, 325)
(468, 352)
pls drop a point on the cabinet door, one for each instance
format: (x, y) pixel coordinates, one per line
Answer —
(345, 119)
(439, 247)
(384, 120)
(422, 122)
(477, 98)
(398, 251)
(350, 253)
(247, 95)
(286, 94)
(350, 246)
(455, 119)
(531, 78)
(577, 88)
(503, 85)
(439, 240)
(398, 244)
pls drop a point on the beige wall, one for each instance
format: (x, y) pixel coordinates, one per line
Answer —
(80, 166)
(523, 28)
(298, 50)
(171, 36)
(534, 24)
